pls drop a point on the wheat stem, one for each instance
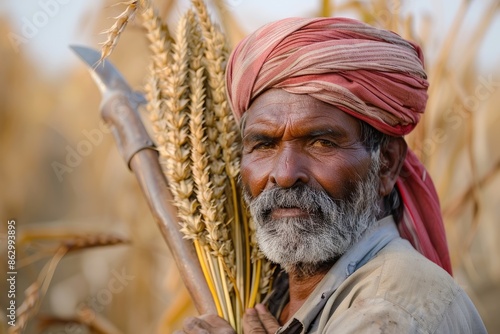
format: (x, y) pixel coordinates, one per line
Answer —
(229, 308)
(255, 283)
(36, 291)
(216, 275)
(206, 273)
(247, 237)
(27, 308)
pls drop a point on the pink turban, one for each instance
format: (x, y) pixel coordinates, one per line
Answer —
(369, 73)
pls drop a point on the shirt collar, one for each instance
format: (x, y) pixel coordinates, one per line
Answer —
(372, 241)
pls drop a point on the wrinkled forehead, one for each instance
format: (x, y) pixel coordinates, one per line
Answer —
(277, 109)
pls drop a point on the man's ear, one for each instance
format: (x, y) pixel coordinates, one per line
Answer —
(392, 158)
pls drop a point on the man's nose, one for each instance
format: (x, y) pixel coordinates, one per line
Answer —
(289, 169)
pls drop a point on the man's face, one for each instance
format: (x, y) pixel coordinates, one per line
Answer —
(311, 183)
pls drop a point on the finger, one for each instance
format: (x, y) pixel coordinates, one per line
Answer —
(217, 324)
(267, 319)
(251, 322)
(194, 325)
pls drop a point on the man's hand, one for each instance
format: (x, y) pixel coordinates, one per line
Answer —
(256, 320)
(259, 320)
(206, 324)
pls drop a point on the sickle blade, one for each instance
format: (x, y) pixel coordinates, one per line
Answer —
(106, 76)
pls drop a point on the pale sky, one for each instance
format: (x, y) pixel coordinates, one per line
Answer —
(43, 29)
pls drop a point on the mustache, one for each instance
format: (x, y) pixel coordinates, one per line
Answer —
(304, 197)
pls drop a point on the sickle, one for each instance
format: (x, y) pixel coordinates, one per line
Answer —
(119, 110)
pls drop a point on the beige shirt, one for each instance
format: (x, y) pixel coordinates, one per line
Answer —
(383, 285)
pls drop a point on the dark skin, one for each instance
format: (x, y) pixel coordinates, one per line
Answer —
(290, 139)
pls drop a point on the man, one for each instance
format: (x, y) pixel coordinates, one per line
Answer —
(339, 201)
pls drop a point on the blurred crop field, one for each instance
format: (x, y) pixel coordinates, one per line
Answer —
(64, 183)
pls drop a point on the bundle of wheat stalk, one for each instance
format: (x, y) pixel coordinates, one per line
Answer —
(199, 145)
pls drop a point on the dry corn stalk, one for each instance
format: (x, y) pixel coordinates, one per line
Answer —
(199, 145)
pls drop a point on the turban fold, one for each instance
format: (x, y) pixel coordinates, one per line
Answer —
(369, 73)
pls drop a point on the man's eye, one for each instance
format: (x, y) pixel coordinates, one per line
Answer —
(263, 145)
(323, 143)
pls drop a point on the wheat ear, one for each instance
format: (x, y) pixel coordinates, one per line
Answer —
(118, 27)
(166, 93)
(216, 56)
(175, 156)
(92, 241)
(167, 101)
(160, 42)
(160, 45)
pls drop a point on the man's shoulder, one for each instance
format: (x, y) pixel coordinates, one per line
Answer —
(405, 277)
(398, 264)
(401, 283)
(402, 275)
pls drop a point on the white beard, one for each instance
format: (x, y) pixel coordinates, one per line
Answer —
(303, 245)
